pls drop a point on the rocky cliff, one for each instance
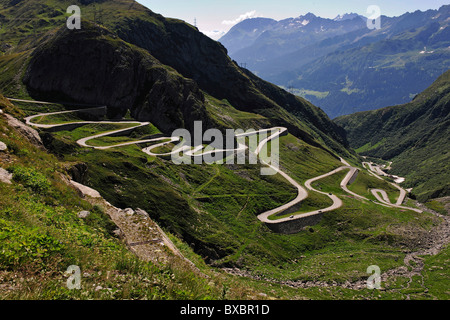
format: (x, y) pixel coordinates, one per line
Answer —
(160, 69)
(93, 66)
(196, 56)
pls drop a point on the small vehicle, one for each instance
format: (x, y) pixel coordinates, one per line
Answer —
(291, 217)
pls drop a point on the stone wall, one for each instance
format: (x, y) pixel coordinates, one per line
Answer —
(295, 225)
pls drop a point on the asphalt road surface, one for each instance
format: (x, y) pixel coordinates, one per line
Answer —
(275, 132)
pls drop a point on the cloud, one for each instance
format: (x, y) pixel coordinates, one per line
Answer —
(242, 17)
(215, 34)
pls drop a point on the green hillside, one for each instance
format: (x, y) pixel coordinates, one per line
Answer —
(142, 35)
(147, 68)
(341, 65)
(387, 72)
(415, 136)
(42, 233)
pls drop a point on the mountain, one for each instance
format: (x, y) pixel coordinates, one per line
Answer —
(415, 136)
(145, 67)
(245, 33)
(380, 74)
(272, 39)
(357, 69)
(142, 207)
(202, 62)
(348, 16)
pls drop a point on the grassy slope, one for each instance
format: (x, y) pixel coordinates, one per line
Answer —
(126, 177)
(42, 235)
(415, 136)
(128, 18)
(183, 195)
(214, 208)
(191, 202)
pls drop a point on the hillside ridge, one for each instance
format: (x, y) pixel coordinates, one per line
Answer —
(415, 136)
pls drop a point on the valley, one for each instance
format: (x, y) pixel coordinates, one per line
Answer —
(197, 152)
(116, 157)
(206, 191)
(414, 136)
(341, 65)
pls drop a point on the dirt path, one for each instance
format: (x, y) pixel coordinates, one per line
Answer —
(140, 233)
(243, 208)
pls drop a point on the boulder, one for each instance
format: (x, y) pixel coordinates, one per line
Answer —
(29, 133)
(3, 146)
(5, 176)
(118, 233)
(83, 214)
(86, 191)
(142, 213)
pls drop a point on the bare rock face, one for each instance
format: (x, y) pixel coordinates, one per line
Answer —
(142, 213)
(83, 214)
(93, 66)
(31, 134)
(5, 176)
(85, 191)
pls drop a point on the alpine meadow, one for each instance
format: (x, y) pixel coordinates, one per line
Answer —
(305, 158)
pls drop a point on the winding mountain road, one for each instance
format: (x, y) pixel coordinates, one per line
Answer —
(381, 195)
(302, 193)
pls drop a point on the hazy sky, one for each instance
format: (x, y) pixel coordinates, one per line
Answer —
(218, 16)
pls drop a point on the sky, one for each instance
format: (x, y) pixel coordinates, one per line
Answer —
(216, 17)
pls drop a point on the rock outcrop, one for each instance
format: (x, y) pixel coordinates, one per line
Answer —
(31, 134)
(198, 57)
(5, 176)
(93, 66)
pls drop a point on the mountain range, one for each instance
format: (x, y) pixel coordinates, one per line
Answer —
(140, 226)
(148, 68)
(414, 136)
(341, 65)
(202, 68)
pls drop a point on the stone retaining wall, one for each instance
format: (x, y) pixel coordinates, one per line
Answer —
(295, 225)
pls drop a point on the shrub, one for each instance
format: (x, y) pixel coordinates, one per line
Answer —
(30, 178)
(19, 245)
